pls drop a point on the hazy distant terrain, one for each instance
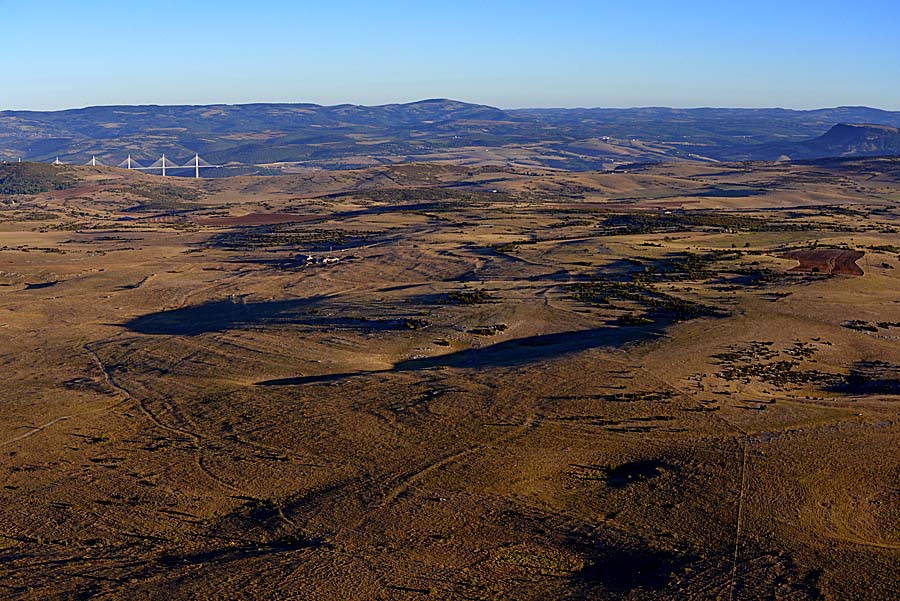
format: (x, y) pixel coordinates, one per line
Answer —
(348, 136)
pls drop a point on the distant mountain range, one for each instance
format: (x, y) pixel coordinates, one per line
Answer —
(842, 140)
(263, 136)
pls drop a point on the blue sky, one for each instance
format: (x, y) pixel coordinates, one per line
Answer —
(797, 54)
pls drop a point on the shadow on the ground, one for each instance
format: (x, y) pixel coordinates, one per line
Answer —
(509, 353)
(238, 552)
(635, 471)
(221, 316)
(40, 286)
(869, 377)
(620, 570)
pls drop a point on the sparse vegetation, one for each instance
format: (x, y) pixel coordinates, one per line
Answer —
(585, 419)
(661, 304)
(491, 330)
(471, 297)
(33, 178)
(415, 323)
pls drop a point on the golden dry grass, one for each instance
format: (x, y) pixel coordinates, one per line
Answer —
(197, 411)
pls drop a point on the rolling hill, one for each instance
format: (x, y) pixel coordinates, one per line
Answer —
(346, 136)
(842, 140)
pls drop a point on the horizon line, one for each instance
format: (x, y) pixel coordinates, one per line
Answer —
(427, 100)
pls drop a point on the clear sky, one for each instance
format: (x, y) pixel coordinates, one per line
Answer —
(755, 53)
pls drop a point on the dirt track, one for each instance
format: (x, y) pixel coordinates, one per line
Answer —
(495, 396)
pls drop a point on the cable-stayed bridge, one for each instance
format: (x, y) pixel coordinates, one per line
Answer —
(162, 164)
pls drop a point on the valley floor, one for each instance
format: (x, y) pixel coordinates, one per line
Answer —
(427, 382)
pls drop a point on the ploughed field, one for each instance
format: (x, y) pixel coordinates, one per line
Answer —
(432, 382)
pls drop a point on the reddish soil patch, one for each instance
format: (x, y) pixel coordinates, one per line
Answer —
(256, 219)
(827, 260)
(86, 191)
